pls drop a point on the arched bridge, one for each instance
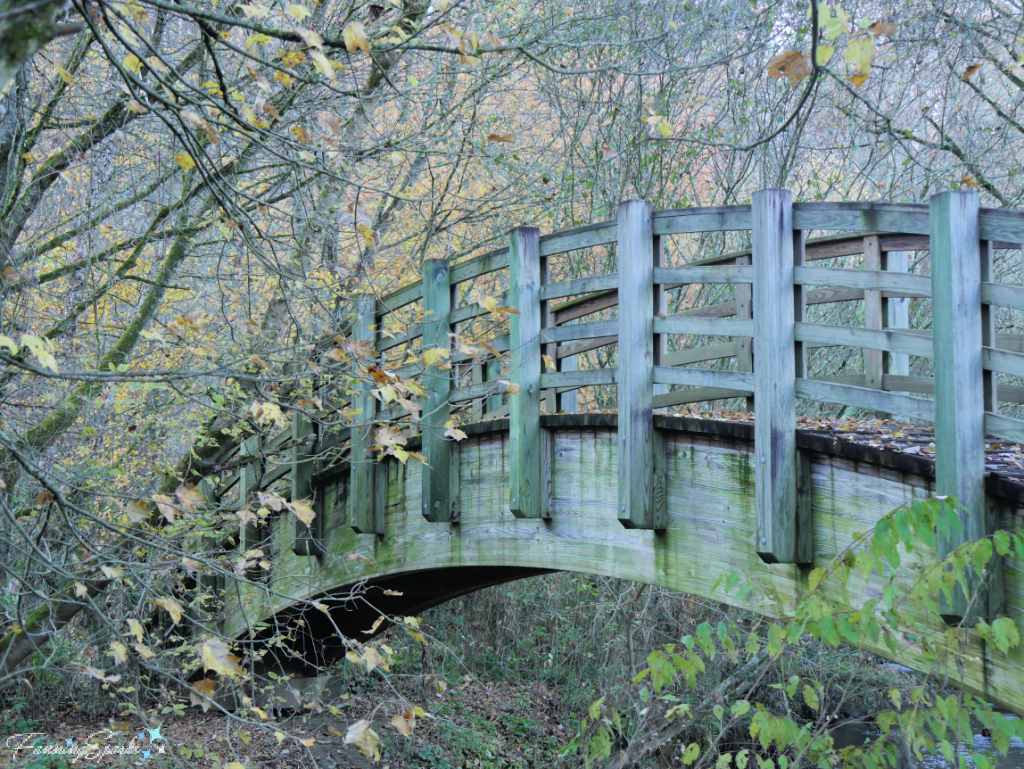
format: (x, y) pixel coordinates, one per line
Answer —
(568, 464)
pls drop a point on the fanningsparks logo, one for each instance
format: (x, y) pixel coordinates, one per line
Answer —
(97, 746)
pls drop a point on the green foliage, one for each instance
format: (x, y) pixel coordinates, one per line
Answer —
(904, 610)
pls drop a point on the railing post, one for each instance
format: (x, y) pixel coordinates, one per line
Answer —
(960, 395)
(438, 503)
(637, 476)
(899, 313)
(527, 474)
(874, 315)
(362, 464)
(307, 538)
(780, 537)
(211, 543)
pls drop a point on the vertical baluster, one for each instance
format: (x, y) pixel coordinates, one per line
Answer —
(255, 532)
(874, 316)
(778, 530)
(492, 371)
(958, 325)
(637, 495)
(437, 380)
(744, 311)
(308, 538)
(527, 479)
(569, 401)
(899, 313)
(362, 464)
(660, 308)
(211, 543)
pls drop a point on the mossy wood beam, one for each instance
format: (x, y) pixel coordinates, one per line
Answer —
(363, 465)
(308, 538)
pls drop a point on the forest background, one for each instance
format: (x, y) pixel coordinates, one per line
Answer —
(192, 194)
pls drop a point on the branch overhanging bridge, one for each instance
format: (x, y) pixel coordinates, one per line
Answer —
(571, 465)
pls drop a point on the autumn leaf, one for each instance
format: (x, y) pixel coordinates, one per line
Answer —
(549, 363)
(404, 724)
(355, 37)
(789, 64)
(970, 71)
(861, 52)
(202, 694)
(166, 506)
(185, 161)
(324, 65)
(823, 54)
(882, 29)
(506, 138)
(190, 497)
(216, 656)
(364, 738)
(101, 675)
(310, 37)
(120, 652)
(297, 12)
(136, 628)
(454, 432)
(144, 651)
(132, 64)
(607, 153)
(64, 74)
(81, 590)
(111, 572)
(171, 606)
(968, 181)
(435, 355)
(303, 510)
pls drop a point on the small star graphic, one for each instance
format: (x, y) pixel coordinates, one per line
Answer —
(142, 736)
(69, 742)
(145, 754)
(160, 748)
(154, 734)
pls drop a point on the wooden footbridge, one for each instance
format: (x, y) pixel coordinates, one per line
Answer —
(633, 490)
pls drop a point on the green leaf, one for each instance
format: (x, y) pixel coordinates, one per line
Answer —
(691, 753)
(740, 708)
(982, 555)
(811, 697)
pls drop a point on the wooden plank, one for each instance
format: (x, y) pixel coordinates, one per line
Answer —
(675, 324)
(959, 384)
(869, 278)
(725, 274)
(710, 219)
(587, 236)
(1007, 428)
(570, 333)
(660, 309)
(988, 330)
(526, 473)
(492, 371)
(308, 540)
(887, 340)
(804, 552)
(699, 377)
(578, 286)
(898, 262)
(1001, 224)
(484, 264)
(362, 463)
(874, 316)
(703, 353)
(865, 398)
(574, 309)
(774, 378)
(1002, 362)
(697, 395)
(585, 345)
(1003, 295)
(875, 217)
(584, 378)
(636, 365)
(568, 400)
(437, 381)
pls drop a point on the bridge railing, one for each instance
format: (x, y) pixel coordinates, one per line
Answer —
(769, 339)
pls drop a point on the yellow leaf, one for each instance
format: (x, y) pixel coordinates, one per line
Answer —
(857, 80)
(216, 656)
(185, 161)
(549, 363)
(136, 628)
(665, 128)
(101, 675)
(824, 53)
(10, 344)
(254, 10)
(120, 652)
(404, 725)
(860, 52)
(363, 737)
(292, 58)
(355, 37)
(202, 694)
(281, 736)
(64, 74)
(237, 764)
(189, 497)
(434, 355)
(81, 590)
(308, 742)
(42, 349)
(303, 510)
(309, 37)
(297, 12)
(335, 732)
(324, 65)
(257, 38)
(260, 712)
(144, 651)
(166, 506)
(171, 606)
(132, 64)
(111, 572)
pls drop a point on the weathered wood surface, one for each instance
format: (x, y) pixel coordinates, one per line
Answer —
(437, 305)
(710, 527)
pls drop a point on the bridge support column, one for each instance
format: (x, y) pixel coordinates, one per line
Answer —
(783, 518)
(641, 487)
(308, 539)
(528, 470)
(363, 511)
(960, 326)
(255, 534)
(439, 502)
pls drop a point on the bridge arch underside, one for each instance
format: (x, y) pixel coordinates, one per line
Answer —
(709, 472)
